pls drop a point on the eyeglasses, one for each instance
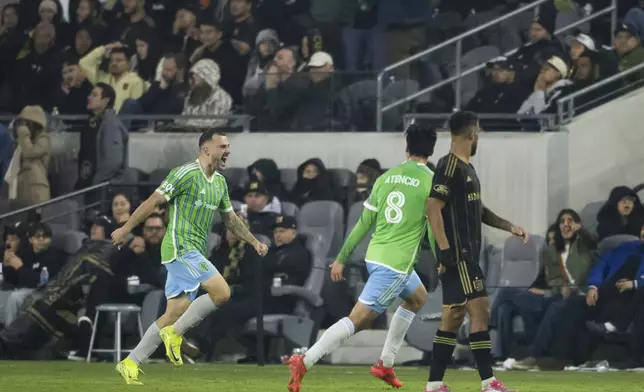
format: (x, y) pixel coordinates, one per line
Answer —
(154, 228)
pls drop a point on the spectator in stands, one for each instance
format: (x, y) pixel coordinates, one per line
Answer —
(622, 214)
(276, 105)
(185, 33)
(36, 74)
(266, 45)
(257, 209)
(241, 27)
(502, 94)
(578, 45)
(121, 208)
(126, 84)
(628, 47)
(101, 228)
(103, 154)
(31, 157)
(368, 172)
(147, 56)
(585, 73)
(51, 12)
(547, 87)
(543, 45)
(565, 264)
(266, 171)
(83, 43)
(635, 18)
(89, 18)
(404, 23)
(206, 96)
(613, 283)
(133, 19)
(362, 40)
(74, 89)
(313, 183)
(12, 39)
(24, 271)
(216, 47)
(287, 259)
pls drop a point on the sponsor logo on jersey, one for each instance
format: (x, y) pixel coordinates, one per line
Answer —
(400, 179)
(441, 189)
(200, 203)
(473, 196)
(469, 179)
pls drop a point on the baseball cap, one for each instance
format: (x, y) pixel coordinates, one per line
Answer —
(286, 222)
(560, 65)
(39, 229)
(500, 62)
(256, 186)
(626, 27)
(585, 40)
(320, 59)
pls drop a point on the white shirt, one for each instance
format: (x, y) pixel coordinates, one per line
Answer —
(564, 259)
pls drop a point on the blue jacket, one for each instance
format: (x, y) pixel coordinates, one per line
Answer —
(611, 262)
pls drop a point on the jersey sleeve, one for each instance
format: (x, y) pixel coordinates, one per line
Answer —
(372, 202)
(174, 184)
(224, 204)
(445, 179)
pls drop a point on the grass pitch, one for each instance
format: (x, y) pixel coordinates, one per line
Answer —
(101, 377)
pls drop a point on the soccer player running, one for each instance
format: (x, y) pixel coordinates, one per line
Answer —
(397, 209)
(194, 191)
(455, 212)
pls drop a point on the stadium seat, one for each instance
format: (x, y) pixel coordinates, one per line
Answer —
(301, 327)
(237, 177)
(568, 17)
(589, 213)
(236, 205)
(399, 89)
(520, 261)
(345, 182)
(355, 275)
(64, 212)
(158, 175)
(359, 100)
(63, 176)
(324, 218)
(290, 209)
(422, 330)
(471, 84)
(289, 178)
(68, 242)
(612, 242)
(214, 240)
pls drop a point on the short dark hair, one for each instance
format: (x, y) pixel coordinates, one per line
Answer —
(421, 140)
(179, 58)
(207, 19)
(123, 50)
(107, 92)
(40, 228)
(156, 215)
(70, 58)
(208, 135)
(461, 121)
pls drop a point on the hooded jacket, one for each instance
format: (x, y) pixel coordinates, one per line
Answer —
(610, 222)
(271, 176)
(610, 263)
(218, 103)
(319, 188)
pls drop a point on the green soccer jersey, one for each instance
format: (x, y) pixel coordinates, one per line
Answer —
(399, 197)
(193, 199)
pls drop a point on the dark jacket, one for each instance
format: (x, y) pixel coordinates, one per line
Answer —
(74, 101)
(35, 79)
(232, 66)
(262, 223)
(28, 276)
(145, 265)
(319, 188)
(164, 101)
(392, 13)
(112, 149)
(610, 222)
(531, 56)
(318, 108)
(611, 262)
(293, 261)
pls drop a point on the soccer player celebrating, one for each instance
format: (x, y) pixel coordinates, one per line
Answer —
(397, 209)
(455, 214)
(194, 191)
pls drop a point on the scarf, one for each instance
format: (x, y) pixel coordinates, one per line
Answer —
(235, 255)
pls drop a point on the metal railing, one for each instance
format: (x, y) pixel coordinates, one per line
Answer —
(507, 122)
(458, 40)
(59, 121)
(566, 105)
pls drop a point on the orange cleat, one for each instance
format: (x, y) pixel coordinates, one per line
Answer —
(386, 374)
(298, 370)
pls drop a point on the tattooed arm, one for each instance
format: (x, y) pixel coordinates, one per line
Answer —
(238, 228)
(491, 219)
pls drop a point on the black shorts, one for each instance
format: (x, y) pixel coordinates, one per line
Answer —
(463, 282)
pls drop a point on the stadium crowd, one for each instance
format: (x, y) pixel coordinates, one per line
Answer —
(290, 65)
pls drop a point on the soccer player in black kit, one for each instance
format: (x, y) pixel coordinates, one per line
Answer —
(456, 212)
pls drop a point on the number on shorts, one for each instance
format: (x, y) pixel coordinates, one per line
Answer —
(395, 202)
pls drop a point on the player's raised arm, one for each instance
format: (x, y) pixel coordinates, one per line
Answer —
(491, 219)
(239, 229)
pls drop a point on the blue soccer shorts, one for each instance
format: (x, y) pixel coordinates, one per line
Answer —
(186, 273)
(385, 285)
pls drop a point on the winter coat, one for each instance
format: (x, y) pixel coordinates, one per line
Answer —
(610, 222)
(33, 184)
(218, 103)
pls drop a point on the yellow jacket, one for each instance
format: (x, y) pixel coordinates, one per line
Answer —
(128, 86)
